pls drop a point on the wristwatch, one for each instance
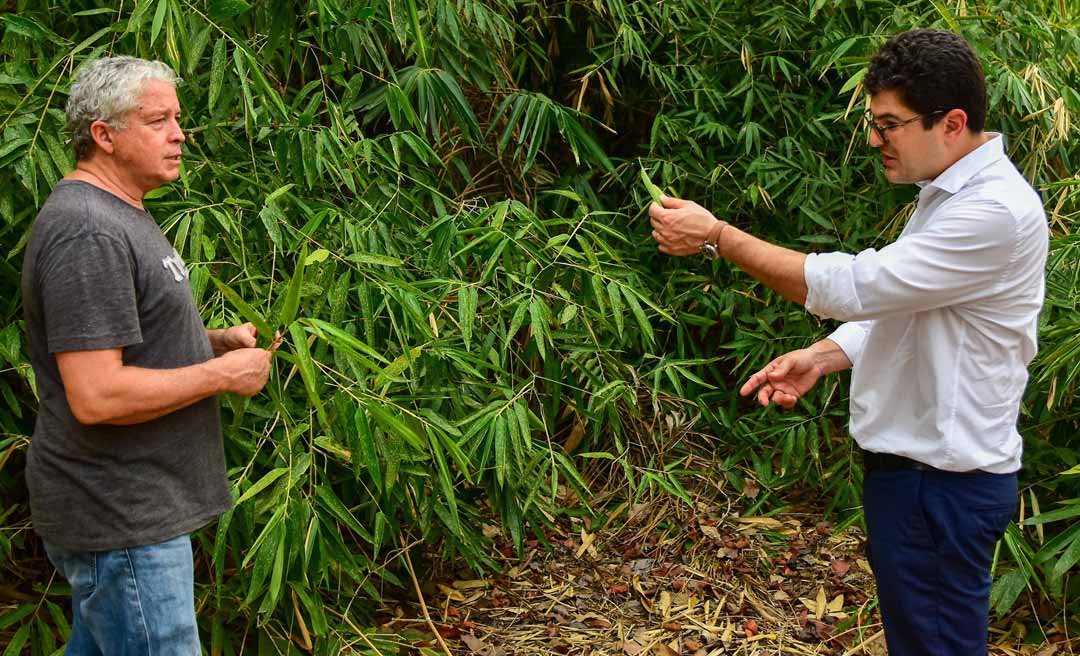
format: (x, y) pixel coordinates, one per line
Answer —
(710, 248)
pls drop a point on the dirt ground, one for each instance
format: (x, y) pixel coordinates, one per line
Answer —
(678, 581)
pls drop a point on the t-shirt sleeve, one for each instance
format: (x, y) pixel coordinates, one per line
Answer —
(87, 287)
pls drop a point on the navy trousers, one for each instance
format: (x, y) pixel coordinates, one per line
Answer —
(931, 539)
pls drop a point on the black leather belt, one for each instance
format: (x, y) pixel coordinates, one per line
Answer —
(891, 462)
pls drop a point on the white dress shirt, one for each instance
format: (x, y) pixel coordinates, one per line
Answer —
(942, 322)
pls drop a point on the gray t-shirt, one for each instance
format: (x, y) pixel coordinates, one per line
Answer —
(99, 274)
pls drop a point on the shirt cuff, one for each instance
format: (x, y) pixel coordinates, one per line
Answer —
(851, 337)
(830, 285)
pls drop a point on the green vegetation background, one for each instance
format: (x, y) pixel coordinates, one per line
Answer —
(439, 204)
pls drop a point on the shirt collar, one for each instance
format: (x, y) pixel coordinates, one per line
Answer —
(952, 179)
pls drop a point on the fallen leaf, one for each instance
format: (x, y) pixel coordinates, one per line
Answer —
(663, 650)
(840, 567)
(672, 626)
(576, 433)
(632, 647)
(451, 593)
(449, 631)
(836, 605)
(711, 533)
(471, 585)
(729, 631)
(587, 540)
(767, 522)
(750, 627)
(477, 645)
(618, 588)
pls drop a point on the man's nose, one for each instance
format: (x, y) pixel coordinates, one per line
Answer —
(177, 133)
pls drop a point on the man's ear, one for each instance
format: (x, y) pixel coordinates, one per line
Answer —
(955, 122)
(102, 133)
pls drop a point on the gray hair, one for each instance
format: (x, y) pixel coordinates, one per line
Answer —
(108, 89)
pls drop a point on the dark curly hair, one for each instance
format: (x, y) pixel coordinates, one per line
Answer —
(931, 70)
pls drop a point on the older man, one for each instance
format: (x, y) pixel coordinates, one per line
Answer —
(126, 458)
(941, 327)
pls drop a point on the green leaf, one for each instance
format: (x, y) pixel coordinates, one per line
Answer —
(224, 9)
(18, 640)
(217, 73)
(159, 17)
(371, 258)
(1053, 516)
(262, 484)
(28, 27)
(331, 502)
(307, 369)
(394, 425)
(654, 192)
(17, 615)
(467, 300)
(246, 311)
(615, 297)
(317, 256)
(292, 295)
(538, 321)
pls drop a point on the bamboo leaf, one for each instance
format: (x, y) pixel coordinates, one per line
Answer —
(217, 74)
(246, 311)
(331, 502)
(292, 296)
(159, 17)
(467, 300)
(262, 484)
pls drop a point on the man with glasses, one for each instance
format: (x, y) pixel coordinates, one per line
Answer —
(941, 325)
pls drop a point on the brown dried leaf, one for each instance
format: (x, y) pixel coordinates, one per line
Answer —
(471, 585)
(840, 567)
(711, 533)
(664, 650)
(477, 645)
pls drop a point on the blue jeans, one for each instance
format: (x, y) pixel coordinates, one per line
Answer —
(931, 542)
(131, 602)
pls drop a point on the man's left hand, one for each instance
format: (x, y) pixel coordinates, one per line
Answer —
(682, 226)
(237, 337)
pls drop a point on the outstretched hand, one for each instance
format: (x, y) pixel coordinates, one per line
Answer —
(786, 379)
(680, 226)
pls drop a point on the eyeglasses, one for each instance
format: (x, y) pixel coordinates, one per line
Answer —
(883, 130)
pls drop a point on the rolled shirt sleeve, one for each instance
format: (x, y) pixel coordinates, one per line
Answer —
(851, 337)
(959, 259)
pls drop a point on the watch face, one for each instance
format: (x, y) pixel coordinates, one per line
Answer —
(709, 251)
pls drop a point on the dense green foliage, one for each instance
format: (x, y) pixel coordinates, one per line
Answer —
(440, 205)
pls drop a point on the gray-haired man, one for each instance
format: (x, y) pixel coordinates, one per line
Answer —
(126, 458)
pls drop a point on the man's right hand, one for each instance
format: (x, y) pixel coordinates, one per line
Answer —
(786, 379)
(247, 369)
